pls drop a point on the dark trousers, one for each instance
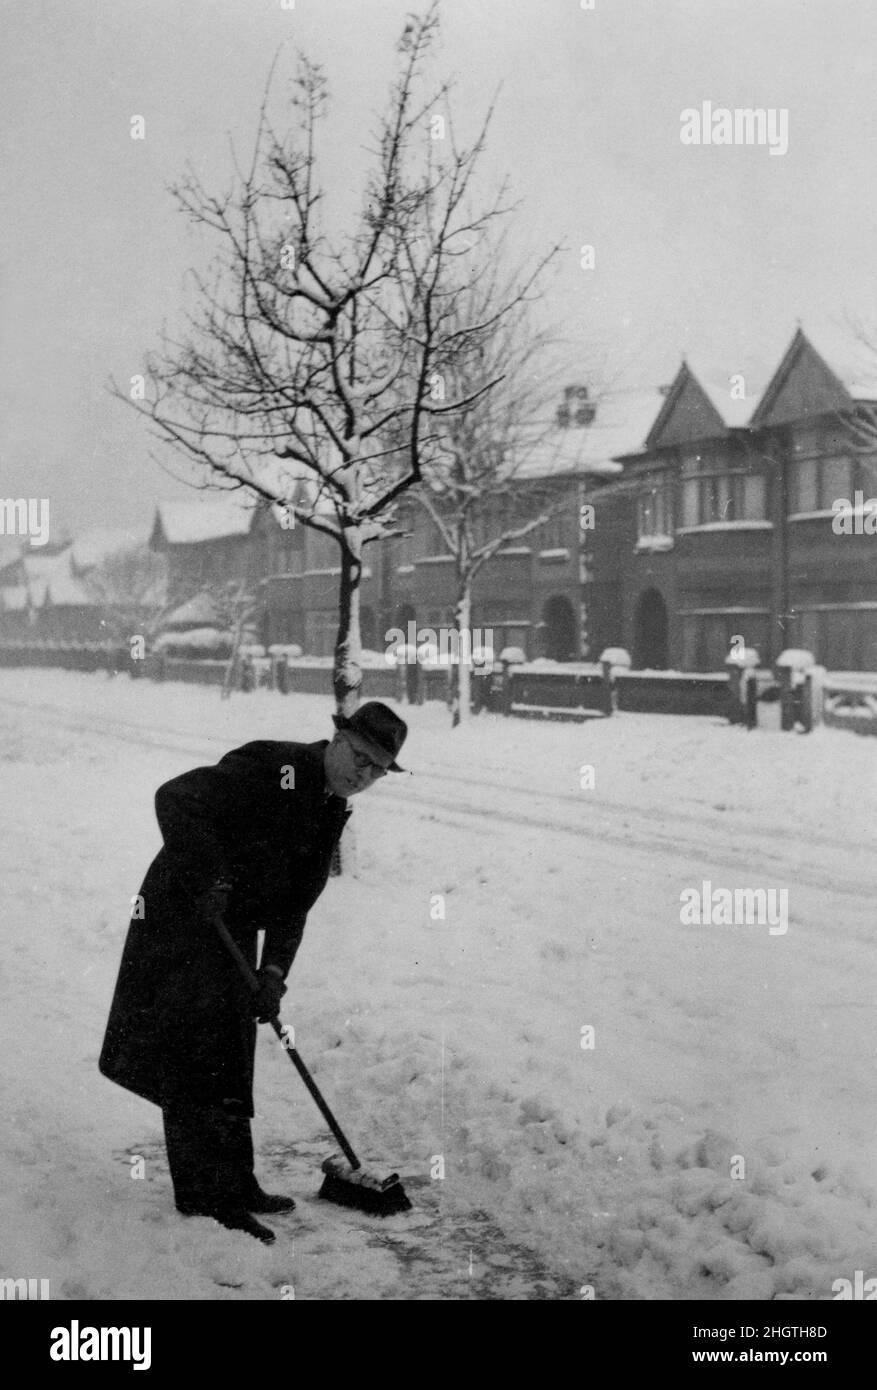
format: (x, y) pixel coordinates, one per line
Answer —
(210, 1155)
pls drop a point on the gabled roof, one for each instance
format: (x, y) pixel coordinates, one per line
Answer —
(50, 579)
(64, 590)
(95, 546)
(696, 408)
(39, 568)
(822, 371)
(733, 412)
(686, 413)
(620, 426)
(191, 523)
(851, 360)
(199, 611)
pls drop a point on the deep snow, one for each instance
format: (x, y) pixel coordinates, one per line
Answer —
(564, 1166)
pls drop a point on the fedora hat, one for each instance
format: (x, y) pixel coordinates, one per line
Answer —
(380, 728)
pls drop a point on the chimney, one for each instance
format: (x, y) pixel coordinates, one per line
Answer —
(576, 408)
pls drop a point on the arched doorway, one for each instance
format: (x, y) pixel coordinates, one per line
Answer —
(650, 632)
(559, 629)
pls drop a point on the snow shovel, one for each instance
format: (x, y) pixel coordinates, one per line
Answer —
(347, 1183)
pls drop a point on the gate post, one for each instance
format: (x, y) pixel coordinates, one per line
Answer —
(812, 698)
(613, 660)
(741, 665)
(791, 668)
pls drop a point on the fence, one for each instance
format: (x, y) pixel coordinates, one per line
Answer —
(306, 676)
(84, 656)
(849, 701)
(572, 691)
(542, 689)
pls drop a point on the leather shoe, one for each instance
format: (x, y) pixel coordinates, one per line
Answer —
(263, 1202)
(234, 1218)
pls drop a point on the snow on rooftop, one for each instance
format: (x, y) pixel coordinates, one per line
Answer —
(93, 547)
(733, 412)
(622, 420)
(853, 361)
(40, 569)
(53, 578)
(64, 590)
(188, 523)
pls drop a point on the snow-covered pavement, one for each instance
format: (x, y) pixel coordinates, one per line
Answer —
(713, 1136)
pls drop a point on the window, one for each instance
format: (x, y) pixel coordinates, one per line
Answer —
(805, 486)
(867, 477)
(817, 482)
(432, 542)
(690, 502)
(754, 497)
(403, 550)
(714, 491)
(654, 512)
(836, 480)
(554, 534)
(706, 637)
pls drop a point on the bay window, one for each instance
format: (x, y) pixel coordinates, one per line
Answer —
(815, 483)
(713, 491)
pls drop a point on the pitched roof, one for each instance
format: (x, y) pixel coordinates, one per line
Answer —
(196, 612)
(93, 547)
(824, 369)
(851, 360)
(39, 568)
(620, 426)
(697, 406)
(733, 413)
(190, 523)
(64, 590)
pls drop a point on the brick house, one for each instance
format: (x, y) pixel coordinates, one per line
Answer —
(721, 525)
(536, 593)
(44, 593)
(713, 519)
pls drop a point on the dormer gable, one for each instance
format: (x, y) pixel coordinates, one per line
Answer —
(688, 414)
(803, 386)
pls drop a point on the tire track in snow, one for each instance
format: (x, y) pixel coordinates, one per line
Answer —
(749, 854)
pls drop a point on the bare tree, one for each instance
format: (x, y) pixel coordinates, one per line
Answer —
(488, 478)
(312, 354)
(236, 611)
(129, 587)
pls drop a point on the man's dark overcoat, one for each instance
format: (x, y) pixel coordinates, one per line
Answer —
(180, 1029)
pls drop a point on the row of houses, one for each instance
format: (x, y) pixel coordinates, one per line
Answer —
(715, 517)
(759, 527)
(46, 592)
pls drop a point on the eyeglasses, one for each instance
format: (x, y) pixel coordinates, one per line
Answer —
(364, 763)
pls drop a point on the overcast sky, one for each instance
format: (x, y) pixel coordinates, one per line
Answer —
(717, 251)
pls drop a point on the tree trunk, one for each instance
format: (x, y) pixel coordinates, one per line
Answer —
(228, 677)
(463, 669)
(347, 673)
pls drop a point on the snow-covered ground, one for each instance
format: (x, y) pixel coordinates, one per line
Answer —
(565, 1165)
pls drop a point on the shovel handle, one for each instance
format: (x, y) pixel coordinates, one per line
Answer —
(251, 978)
(237, 955)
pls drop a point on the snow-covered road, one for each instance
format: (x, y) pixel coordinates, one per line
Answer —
(717, 1140)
